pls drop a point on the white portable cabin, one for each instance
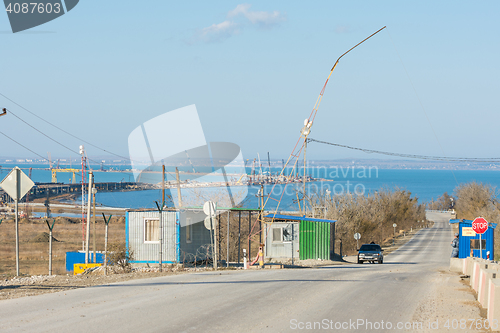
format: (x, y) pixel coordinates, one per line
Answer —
(185, 237)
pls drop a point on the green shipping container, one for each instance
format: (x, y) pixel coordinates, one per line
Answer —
(314, 240)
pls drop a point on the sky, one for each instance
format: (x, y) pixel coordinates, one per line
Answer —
(428, 84)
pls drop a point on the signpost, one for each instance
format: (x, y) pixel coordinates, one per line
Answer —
(480, 225)
(210, 208)
(394, 235)
(17, 184)
(357, 237)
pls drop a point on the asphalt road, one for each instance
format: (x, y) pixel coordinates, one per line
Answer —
(337, 298)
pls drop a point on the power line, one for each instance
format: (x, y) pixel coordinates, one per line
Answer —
(421, 157)
(8, 137)
(64, 131)
(419, 100)
(61, 129)
(45, 135)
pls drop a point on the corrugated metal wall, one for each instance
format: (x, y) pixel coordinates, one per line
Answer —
(281, 249)
(464, 242)
(149, 252)
(314, 240)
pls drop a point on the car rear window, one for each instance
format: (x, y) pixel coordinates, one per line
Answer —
(370, 247)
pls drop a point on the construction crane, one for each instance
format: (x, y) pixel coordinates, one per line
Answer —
(300, 148)
(50, 160)
(55, 171)
(269, 162)
(28, 196)
(252, 172)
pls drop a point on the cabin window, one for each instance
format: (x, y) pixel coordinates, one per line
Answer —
(151, 230)
(282, 234)
(277, 235)
(189, 230)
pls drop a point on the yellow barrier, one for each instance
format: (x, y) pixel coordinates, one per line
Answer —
(80, 268)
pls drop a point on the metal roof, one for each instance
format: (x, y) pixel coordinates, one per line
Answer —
(493, 225)
(298, 218)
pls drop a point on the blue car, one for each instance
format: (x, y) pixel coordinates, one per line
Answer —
(371, 253)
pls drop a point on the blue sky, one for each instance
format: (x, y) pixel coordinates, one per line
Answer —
(254, 71)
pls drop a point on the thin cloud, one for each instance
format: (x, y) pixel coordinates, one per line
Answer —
(342, 29)
(238, 19)
(218, 32)
(261, 19)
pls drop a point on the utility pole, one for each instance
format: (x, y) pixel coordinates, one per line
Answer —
(305, 132)
(227, 239)
(160, 210)
(178, 187)
(50, 244)
(87, 237)
(16, 202)
(84, 176)
(106, 244)
(94, 191)
(163, 184)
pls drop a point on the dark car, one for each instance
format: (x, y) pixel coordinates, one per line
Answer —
(370, 252)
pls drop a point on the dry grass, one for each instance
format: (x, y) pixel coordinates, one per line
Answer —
(34, 257)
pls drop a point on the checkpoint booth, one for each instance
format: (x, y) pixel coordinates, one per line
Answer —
(469, 240)
(300, 237)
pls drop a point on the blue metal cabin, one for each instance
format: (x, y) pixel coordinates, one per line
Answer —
(184, 236)
(464, 241)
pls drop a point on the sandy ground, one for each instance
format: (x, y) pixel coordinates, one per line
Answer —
(40, 284)
(451, 302)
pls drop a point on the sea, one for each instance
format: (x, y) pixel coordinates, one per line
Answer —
(423, 184)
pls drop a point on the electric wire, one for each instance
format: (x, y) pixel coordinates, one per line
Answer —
(415, 156)
(419, 100)
(64, 131)
(61, 129)
(20, 144)
(48, 137)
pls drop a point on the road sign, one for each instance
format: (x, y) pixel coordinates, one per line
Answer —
(357, 236)
(210, 208)
(468, 232)
(210, 225)
(16, 184)
(394, 225)
(479, 225)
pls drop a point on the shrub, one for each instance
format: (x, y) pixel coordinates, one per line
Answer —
(119, 256)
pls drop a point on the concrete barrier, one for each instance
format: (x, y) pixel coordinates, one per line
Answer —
(478, 266)
(470, 266)
(485, 276)
(494, 299)
(456, 265)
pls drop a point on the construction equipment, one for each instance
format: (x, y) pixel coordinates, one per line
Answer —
(192, 166)
(50, 160)
(269, 162)
(55, 171)
(299, 148)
